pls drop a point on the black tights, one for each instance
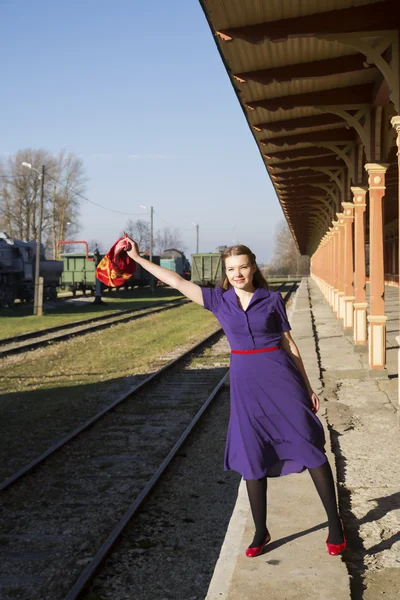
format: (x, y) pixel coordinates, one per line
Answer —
(323, 481)
(257, 492)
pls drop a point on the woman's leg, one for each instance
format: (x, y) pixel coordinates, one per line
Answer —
(323, 480)
(257, 492)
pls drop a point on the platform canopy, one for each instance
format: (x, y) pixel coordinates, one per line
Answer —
(318, 83)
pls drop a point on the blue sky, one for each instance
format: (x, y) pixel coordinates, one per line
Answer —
(139, 91)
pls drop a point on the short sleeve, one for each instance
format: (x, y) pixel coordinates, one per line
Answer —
(281, 316)
(212, 298)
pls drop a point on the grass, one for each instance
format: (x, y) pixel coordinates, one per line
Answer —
(19, 319)
(98, 357)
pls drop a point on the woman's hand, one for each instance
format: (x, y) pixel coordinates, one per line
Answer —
(314, 401)
(133, 251)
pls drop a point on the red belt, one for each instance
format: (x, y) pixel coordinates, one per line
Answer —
(255, 351)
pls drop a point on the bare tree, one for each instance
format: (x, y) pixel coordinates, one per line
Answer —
(286, 258)
(92, 244)
(163, 238)
(168, 238)
(67, 181)
(20, 195)
(139, 231)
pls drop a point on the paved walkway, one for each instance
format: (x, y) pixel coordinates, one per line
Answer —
(361, 415)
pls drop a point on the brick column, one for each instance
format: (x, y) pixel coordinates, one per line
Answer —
(377, 318)
(396, 124)
(341, 275)
(335, 305)
(324, 258)
(320, 262)
(360, 301)
(393, 253)
(388, 257)
(348, 297)
(331, 266)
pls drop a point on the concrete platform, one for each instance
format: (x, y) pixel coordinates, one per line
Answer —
(362, 415)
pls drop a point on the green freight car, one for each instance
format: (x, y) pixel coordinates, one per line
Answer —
(78, 273)
(207, 269)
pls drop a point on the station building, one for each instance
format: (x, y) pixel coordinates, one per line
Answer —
(319, 84)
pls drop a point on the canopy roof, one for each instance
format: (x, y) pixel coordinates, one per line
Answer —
(315, 81)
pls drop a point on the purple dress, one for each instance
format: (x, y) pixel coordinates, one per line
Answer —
(272, 430)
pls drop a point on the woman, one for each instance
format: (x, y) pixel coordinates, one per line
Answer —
(273, 429)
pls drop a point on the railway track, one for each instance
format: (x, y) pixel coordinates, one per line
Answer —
(72, 503)
(87, 481)
(36, 339)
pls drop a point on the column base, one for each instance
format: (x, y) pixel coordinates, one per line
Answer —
(360, 324)
(348, 313)
(378, 373)
(335, 305)
(328, 293)
(340, 312)
(377, 341)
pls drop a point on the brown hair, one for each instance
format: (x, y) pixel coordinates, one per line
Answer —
(258, 278)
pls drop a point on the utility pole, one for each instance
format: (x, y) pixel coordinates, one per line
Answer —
(197, 238)
(152, 279)
(151, 234)
(37, 300)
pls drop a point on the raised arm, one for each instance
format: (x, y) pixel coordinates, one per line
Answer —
(187, 288)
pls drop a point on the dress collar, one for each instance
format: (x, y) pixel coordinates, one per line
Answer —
(259, 294)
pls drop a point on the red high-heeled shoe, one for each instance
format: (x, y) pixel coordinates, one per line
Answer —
(335, 549)
(257, 550)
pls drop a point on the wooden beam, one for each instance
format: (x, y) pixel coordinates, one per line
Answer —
(356, 94)
(326, 135)
(301, 122)
(300, 153)
(332, 162)
(293, 204)
(368, 17)
(318, 68)
(307, 202)
(295, 175)
(301, 190)
(295, 183)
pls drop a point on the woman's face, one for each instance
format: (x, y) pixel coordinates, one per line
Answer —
(239, 271)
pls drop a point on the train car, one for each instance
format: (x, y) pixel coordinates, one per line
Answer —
(141, 277)
(207, 269)
(78, 273)
(175, 260)
(17, 271)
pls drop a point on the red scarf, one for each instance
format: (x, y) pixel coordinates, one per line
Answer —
(116, 267)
